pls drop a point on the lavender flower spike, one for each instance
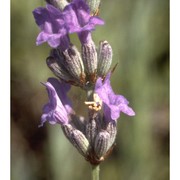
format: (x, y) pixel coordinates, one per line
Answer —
(58, 109)
(52, 25)
(113, 104)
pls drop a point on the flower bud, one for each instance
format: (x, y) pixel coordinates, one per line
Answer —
(68, 129)
(91, 130)
(58, 71)
(89, 56)
(93, 126)
(112, 130)
(80, 142)
(77, 138)
(104, 58)
(74, 64)
(101, 143)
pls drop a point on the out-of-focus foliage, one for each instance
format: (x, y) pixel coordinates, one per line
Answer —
(138, 31)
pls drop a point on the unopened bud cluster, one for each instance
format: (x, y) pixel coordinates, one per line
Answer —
(81, 68)
(94, 138)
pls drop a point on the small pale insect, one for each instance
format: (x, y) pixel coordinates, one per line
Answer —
(96, 104)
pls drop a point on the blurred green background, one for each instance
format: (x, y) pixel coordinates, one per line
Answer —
(138, 31)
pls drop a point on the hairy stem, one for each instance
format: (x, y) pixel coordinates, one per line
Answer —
(95, 172)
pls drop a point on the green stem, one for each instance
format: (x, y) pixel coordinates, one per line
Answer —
(95, 172)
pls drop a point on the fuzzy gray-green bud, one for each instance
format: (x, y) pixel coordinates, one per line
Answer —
(89, 56)
(68, 129)
(91, 130)
(73, 63)
(80, 142)
(58, 70)
(112, 130)
(101, 143)
(77, 138)
(93, 126)
(104, 58)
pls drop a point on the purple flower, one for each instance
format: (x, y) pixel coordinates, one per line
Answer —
(52, 25)
(113, 104)
(78, 19)
(58, 109)
(55, 24)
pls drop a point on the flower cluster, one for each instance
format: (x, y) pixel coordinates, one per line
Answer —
(89, 69)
